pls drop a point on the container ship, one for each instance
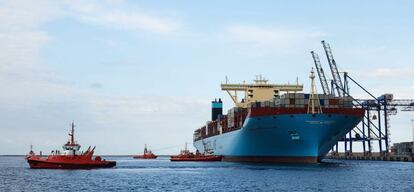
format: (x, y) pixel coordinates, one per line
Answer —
(276, 123)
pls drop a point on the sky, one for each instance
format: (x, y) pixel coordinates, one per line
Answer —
(130, 73)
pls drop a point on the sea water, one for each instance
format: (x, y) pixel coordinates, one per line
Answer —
(162, 175)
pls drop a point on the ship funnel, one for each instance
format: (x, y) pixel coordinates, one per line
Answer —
(216, 109)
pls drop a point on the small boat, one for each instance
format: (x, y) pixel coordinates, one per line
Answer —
(69, 158)
(147, 154)
(186, 155)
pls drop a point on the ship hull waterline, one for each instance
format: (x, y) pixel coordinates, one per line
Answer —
(212, 158)
(40, 164)
(144, 157)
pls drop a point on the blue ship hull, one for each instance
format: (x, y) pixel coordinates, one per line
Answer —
(301, 138)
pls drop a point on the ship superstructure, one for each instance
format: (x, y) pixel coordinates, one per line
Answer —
(259, 91)
(276, 123)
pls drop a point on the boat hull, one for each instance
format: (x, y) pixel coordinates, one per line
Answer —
(287, 138)
(144, 157)
(45, 164)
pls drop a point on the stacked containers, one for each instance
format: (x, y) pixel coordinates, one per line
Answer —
(269, 103)
(197, 134)
(299, 100)
(211, 128)
(208, 129)
(203, 132)
(230, 118)
(220, 126)
(322, 100)
(235, 117)
(306, 97)
(341, 102)
(240, 116)
(285, 100)
(276, 102)
(348, 102)
(334, 102)
(291, 100)
(223, 124)
(215, 128)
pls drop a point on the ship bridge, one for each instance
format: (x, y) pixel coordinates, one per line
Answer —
(260, 90)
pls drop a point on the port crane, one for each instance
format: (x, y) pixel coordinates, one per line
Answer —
(375, 125)
(321, 73)
(334, 70)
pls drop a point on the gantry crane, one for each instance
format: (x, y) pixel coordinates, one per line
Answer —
(334, 69)
(375, 125)
(321, 73)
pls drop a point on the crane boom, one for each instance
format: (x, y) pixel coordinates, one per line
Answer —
(334, 69)
(321, 74)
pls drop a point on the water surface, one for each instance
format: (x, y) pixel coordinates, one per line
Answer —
(163, 175)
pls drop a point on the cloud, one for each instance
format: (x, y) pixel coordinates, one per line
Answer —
(378, 81)
(20, 36)
(269, 35)
(258, 41)
(25, 15)
(147, 106)
(38, 102)
(111, 16)
(23, 73)
(96, 86)
(399, 72)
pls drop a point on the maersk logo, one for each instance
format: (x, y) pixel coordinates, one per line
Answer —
(320, 122)
(294, 135)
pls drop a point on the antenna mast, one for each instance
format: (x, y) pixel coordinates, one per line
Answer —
(72, 133)
(313, 97)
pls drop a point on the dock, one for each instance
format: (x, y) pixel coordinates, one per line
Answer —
(370, 157)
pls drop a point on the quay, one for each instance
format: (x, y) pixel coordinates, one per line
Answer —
(371, 157)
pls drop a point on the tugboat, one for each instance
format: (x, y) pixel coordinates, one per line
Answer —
(147, 154)
(186, 155)
(69, 158)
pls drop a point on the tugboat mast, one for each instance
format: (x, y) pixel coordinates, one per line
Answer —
(71, 134)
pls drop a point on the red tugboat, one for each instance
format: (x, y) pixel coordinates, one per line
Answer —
(186, 155)
(147, 154)
(69, 158)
